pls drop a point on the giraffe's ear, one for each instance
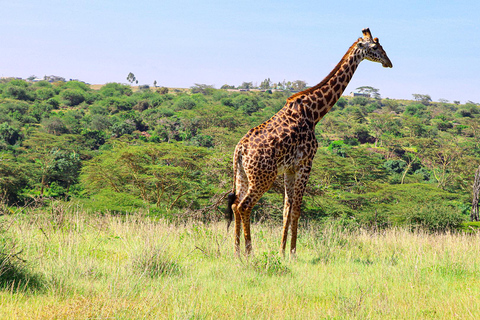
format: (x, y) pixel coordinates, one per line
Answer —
(360, 45)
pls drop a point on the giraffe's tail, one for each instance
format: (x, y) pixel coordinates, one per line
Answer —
(232, 196)
(229, 216)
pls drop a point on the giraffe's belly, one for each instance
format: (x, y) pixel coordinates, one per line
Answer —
(289, 162)
(292, 161)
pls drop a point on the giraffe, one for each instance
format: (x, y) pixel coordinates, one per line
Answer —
(286, 144)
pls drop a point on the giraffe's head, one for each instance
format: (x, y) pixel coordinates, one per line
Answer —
(372, 49)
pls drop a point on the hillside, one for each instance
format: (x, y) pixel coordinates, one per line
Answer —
(118, 149)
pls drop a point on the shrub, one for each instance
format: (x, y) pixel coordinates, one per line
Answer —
(435, 218)
(395, 166)
(121, 128)
(350, 141)
(45, 93)
(415, 110)
(338, 147)
(9, 134)
(162, 90)
(247, 104)
(184, 103)
(54, 126)
(141, 105)
(78, 85)
(270, 263)
(341, 103)
(72, 97)
(359, 100)
(115, 89)
(18, 89)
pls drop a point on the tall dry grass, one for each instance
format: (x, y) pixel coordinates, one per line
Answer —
(129, 267)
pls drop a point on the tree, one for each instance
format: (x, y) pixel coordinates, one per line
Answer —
(162, 90)
(114, 89)
(299, 85)
(370, 91)
(425, 99)
(162, 174)
(442, 157)
(42, 150)
(265, 84)
(9, 134)
(131, 78)
(246, 85)
(66, 168)
(205, 89)
(54, 125)
(72, 97)
(380, 124)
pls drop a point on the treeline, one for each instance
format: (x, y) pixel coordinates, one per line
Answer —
(381, 161)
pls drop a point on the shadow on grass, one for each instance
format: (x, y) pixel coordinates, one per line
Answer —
(14, 273)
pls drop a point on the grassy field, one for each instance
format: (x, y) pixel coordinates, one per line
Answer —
(83, 266)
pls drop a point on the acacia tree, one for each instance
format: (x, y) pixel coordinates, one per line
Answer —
(246, 85)
(52, 158)
(162, 174)
(299, 85)
(442, 157)
(371, 91)
(425, 99)
(379, 123)
(12, 178)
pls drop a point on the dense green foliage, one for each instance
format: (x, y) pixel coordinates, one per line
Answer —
(381, 162)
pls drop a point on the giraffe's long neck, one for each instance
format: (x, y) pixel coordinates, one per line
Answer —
(319, 99)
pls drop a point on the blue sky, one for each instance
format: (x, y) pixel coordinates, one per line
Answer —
(434, 45)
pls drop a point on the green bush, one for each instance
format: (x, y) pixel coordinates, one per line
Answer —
(338, 147)
(435, 218)
(72, 97)
(395, 166)
(270, 263)
(184, 103)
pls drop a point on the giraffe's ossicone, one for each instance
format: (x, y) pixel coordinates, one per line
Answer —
(286, 144)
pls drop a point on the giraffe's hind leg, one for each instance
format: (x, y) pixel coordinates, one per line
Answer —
(258, 185)
(241, 190)
(299, 186)
(289, 182)
(245, 209)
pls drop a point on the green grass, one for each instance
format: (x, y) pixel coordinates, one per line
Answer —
(131, 267)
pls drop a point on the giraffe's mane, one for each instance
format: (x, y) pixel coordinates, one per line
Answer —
(325, 80)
